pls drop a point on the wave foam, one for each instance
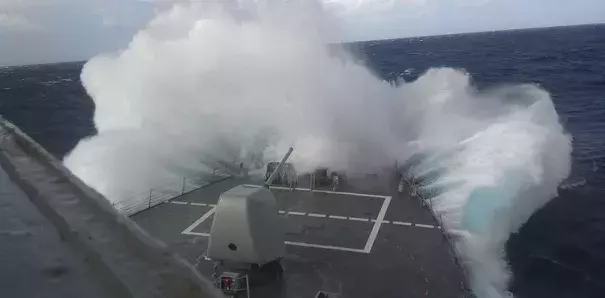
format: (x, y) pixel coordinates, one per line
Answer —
(199, 85)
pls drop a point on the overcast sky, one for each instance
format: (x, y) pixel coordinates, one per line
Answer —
(40, 31)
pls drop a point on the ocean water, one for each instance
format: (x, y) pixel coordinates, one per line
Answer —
(559, 252)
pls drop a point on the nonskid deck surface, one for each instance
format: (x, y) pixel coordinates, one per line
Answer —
(364, 240)
(35, 261)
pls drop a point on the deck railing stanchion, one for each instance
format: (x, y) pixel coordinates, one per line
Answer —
(135, 204)
(183, 189)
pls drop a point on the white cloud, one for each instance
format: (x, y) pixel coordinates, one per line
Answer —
(16, 22)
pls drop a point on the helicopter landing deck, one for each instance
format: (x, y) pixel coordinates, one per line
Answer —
(351, 244)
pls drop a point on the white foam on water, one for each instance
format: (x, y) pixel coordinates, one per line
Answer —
(201, 84)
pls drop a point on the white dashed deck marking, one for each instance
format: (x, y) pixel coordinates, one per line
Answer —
(179, 202)
(329, 216)
(316, 215)
(326, 191)
(199, 204)
(377, 222)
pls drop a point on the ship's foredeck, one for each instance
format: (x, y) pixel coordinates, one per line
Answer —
(365, 240)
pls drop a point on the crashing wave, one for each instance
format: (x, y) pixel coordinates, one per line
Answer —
(201, 84)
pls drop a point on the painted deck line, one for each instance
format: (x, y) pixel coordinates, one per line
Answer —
(301, 244)
(402, 223)
(324, 191)
(199, 221)
(196, 234)
(377, 224)
(359, 219)
(327, 247)
(317, 215)
(320, 215)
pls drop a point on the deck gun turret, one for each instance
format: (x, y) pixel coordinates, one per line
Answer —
(246, 240)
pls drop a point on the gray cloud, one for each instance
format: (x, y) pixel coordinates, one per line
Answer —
(15, 22)
(35, 31)
(40, 31)
(404, 18)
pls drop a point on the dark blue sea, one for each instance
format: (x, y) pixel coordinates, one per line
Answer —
(559, 252)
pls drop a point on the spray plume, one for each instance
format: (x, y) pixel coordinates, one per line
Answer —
(204, 83)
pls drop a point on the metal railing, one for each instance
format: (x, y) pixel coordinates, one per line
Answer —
(426, 194)
(170, 190)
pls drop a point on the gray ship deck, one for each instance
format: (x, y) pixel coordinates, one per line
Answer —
(366, 240)
(60, 238)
